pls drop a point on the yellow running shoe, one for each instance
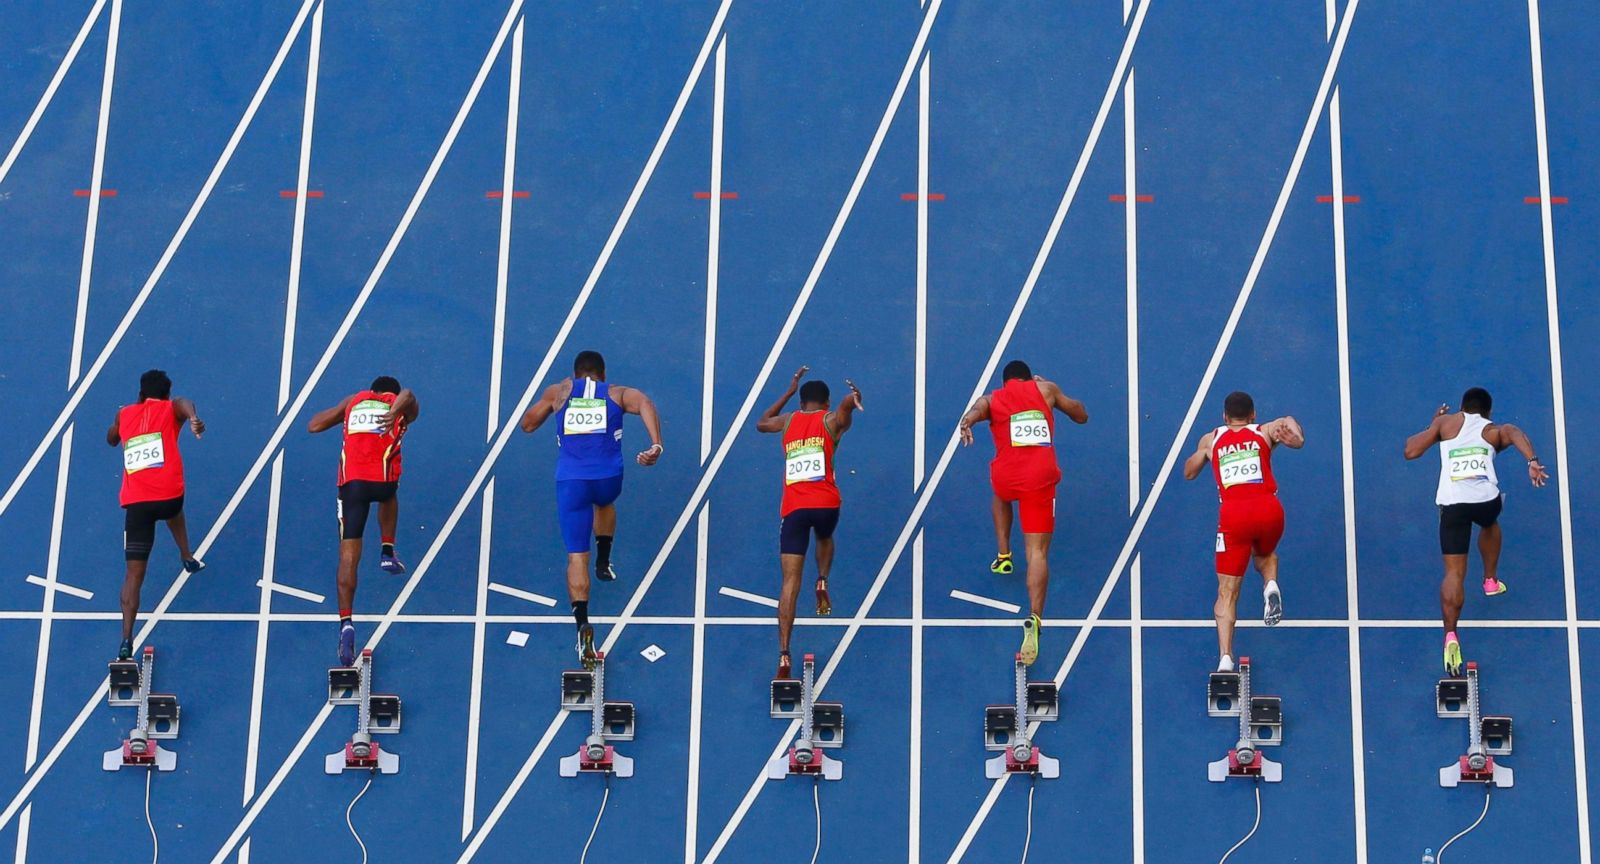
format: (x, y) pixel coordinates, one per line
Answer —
(1001, 565)
(1452, 654)
(1030, 640)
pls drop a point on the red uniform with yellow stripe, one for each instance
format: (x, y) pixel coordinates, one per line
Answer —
(370, 453)
(1250, 518)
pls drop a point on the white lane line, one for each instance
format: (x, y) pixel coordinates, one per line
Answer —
(757, 599)
(521, 594)
(1003, 606)
(469, 798)
(691, 833)
(919, 423)
(1135, 582)
(161, 267)
(1181, 438)
(96, 183)
(1358, 748)
(750, 397)
(288, 590)
(954, 439)
(272, 444)
(50, 90)
(1558, 388)
(285, 376)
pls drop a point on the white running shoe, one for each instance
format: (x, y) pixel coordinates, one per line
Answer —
(1274, 601)
(1225, 664)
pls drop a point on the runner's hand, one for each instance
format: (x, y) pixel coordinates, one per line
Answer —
(649, 457)
(966, 435)
(855, 394)
(1536, 474)
(794, 383)
(1442, 410)
(197, 426)
(389, 421)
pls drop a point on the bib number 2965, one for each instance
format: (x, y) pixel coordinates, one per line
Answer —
(1030, 429)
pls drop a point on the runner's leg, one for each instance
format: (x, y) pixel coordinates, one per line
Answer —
(1489, 540)
(131, 583)
(793, 568)
(1226, 611)
(180, 535)
(1451, 594)
(1001, 511)
(1038, 551)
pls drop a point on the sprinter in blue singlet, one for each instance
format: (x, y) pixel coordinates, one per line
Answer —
(589, 471)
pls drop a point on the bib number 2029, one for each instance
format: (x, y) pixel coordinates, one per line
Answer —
(585, 417)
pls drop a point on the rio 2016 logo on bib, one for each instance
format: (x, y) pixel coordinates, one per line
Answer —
(1240, 467)
(1469, 463)
(366, 416)
(1030, 429)
(143, 451)
(584, 417)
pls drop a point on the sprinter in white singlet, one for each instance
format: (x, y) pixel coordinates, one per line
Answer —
(1469, 494)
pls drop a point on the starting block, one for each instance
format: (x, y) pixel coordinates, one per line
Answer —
(1005, 728)
(608, 721)
(157, 716)
(1260, 725)
(376, 714)
(1487, 737)
(821, 726)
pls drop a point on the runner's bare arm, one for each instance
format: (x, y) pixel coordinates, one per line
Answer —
(404, 407)
(184, 410)
(322, 421)
(1286, 431)
(114, 434)
(839, 421)
(1064, 403)
(1503, 435)
(1198, 459)
(978, 411)
(541, 410)
(634, 401)
(1419, 443)
(773, 419)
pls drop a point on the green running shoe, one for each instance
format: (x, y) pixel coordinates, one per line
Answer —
(1452, 654)
(1001, 565)
(1030, 640)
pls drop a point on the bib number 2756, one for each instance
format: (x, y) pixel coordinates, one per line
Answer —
(143, 451)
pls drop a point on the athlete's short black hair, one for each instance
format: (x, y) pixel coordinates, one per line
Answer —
(1477, 401)
(155, 385)
(589, 364)
(386, 384)
(1238, 405)
(813, 393)
(1016, 370)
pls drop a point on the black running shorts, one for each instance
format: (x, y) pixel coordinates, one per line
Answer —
(139, 525)
(356, 498)
(1456, 521)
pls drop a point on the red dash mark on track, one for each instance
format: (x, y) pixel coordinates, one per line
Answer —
(1348, 199)
(726, 196)
(290, 193)
(496, 193)
(1123, 199)
(1557, 199)
(112, 193)
(912, 196)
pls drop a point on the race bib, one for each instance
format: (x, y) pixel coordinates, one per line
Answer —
(1030, 429)
(1239, 467)
(365, 415)
(1222, 546)
(804, 465)
(143, 451)
(584, 417)
(1469, 463)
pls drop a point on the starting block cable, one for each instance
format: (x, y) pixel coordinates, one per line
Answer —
(155, 844)
(584, 856)
(1487, 788)
(1027, 838)
(816, 801)
(1246, 838)
(347, 811)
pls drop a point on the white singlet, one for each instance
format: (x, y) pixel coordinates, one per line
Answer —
(1466, 465)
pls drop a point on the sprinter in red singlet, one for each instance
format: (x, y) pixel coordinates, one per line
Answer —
(1250, 521)
(374, 421)
(152, 484)
(810, 496)
(1024, 471)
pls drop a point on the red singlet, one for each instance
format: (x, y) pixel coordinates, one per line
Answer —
(808, 463)
(152, 467)
(1024, 433)
(370, 454)
(1250, 519)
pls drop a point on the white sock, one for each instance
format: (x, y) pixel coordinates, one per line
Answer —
(1226, 664)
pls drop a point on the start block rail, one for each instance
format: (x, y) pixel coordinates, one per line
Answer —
(376, 714)
(1260, 725)
(1487, 737)
(157, 716)
(1005, 728)
(585, 690)
(821, 726)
